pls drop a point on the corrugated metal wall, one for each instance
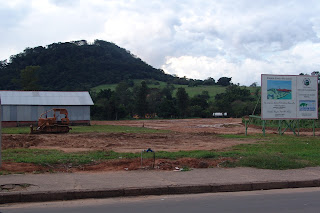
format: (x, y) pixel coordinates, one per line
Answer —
(32, 113)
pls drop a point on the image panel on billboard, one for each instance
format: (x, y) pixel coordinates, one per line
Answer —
(279, 89)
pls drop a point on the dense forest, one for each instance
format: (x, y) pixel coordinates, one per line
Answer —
(74, 66)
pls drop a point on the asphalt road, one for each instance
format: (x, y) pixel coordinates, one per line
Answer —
(285, 200)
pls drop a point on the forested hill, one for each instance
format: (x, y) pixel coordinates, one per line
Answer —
(74, 66)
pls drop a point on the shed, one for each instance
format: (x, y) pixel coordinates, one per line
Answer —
(24, 107)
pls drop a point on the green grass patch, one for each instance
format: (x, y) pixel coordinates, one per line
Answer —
(93, 128)
(192, 91)
(45, 157)
(16, 130)
(50, 157)
(272, 161)
(187, 154)
(280, 152)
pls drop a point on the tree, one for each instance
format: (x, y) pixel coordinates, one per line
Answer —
(141, 100)
(224, 81)
(209, 81)
(124, 97)
(254, 84)
(200, 100)
(3, 64)
(154, 99)
(316, 73)
(29, 78)
(101, 108)
(233, 100)
(167, 108)
(182, 102)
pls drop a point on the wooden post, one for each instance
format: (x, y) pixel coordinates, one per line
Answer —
(245, 121)
(314, 128)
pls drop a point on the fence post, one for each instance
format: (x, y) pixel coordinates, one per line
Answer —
(245, 121)
(314, 128)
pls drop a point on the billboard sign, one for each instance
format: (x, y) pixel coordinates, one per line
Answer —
(289, 97)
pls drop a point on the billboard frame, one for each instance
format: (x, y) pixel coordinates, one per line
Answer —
(288, 102)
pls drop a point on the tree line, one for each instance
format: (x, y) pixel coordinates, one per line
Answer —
(140, 101)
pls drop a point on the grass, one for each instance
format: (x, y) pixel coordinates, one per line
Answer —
(93, 128)
(280, 152)
(270, 152)
(50, 157)
(192, 91)
(16, 130)
(303, 123)
(190, 154)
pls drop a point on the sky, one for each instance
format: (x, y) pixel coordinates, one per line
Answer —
(198, 39)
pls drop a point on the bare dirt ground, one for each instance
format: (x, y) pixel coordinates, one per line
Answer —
(187, 134)
(217, 125)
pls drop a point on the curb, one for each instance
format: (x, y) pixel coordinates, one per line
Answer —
(17, 197)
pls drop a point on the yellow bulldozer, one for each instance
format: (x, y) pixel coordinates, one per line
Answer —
(59, 123)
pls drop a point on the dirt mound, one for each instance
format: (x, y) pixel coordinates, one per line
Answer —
(19, 141)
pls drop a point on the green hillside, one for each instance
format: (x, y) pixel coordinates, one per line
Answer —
(213, 90)
(192, 91)
(74, 65)
(79, 65)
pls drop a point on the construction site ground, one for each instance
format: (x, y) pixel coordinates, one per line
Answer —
(185, 134)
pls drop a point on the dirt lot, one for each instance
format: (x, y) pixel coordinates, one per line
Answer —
(187, 134)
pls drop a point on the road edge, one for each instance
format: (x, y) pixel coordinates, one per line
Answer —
(44, 196)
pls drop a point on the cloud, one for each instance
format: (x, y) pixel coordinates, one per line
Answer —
(301, 58)
(193, 38)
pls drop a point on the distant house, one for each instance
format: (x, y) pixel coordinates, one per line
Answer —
(21, 108)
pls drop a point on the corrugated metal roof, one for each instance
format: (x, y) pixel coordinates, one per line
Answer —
(45, 98)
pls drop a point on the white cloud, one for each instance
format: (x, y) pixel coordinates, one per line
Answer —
(302, 58)
(193, 38)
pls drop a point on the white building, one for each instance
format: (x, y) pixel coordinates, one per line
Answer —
(24, 107)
